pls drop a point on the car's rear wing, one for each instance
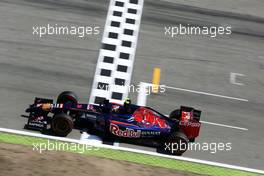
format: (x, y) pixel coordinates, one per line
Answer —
(189, 113)
(190, 122)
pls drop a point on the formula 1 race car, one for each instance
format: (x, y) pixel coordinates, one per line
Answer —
(115, 121)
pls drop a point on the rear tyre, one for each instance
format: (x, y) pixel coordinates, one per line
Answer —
(61, 124)
(175, 114)
(67, 97)
(176, 144)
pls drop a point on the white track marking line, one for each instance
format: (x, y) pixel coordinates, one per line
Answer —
(205, 93)
(222, 125)
(136, 151)
(227, 126)
(116, 144)
(26, 133)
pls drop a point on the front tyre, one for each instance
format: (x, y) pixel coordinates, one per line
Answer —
(62, 124)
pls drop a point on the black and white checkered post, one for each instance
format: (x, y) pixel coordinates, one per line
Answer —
(116, 57)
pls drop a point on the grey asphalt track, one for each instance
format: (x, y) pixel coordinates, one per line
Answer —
(32, 66)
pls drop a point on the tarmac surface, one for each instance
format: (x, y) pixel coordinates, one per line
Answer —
(32, 66)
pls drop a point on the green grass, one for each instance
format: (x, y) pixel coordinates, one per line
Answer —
(129, 156)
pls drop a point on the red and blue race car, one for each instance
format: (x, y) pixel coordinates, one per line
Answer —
(116, 122)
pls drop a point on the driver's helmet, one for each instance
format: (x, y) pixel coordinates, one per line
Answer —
(127, 102)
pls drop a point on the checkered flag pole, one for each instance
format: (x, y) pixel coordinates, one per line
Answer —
(116, 57)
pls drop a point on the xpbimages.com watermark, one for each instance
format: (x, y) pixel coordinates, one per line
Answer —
(212, 31)
(78, 31)
(61, 146)
(212, 147)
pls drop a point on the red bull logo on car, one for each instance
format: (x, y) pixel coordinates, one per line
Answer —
(129, 133)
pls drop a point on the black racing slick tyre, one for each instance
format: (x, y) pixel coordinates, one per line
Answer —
(61, 124)
(175, 114)
(175, 144)
(67, 97)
